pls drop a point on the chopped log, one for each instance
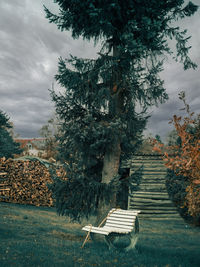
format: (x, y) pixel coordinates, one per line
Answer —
(4, 189)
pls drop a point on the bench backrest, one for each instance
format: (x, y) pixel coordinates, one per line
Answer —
(123, 219)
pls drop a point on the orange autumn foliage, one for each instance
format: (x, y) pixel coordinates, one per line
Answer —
(185, 159)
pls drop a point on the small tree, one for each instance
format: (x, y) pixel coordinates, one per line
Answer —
(49, 132)
(8, 148)
(172, 138)
(100, 124)
(185, 159)
(158, 138)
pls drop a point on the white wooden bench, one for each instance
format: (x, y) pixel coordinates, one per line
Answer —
(118, 223)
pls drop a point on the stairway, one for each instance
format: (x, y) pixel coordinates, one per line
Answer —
(151, 196)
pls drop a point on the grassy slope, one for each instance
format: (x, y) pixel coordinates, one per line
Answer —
(36, 236)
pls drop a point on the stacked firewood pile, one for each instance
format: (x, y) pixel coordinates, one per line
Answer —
(26, 182)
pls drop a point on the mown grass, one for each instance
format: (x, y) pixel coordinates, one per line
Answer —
(37, 236)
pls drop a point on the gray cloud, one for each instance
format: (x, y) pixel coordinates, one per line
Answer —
(29, 50)
(177, 80)
(29, 47)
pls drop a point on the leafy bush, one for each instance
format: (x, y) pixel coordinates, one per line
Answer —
(184, 158)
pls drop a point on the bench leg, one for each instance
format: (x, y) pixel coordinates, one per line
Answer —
(109, 243)
(112, 243)
(103, 238)
(134, 236)
(113, 238)
(133, 241)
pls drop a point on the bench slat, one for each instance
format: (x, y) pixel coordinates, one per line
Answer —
(128, 212)
(99, 231)
(118, 230)
(122, 215)
(96, 230)
(119, 226)
(122, 218)
(106, 230)
(119, 222)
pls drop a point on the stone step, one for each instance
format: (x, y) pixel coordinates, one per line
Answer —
(150, 192)
(162, 217)
(151, 204)
(152, 209)
(151, 180)
(147, 164)
(159, 212)
(141, 157)
(150, 162)
(150, 173)
(150, 196)
(156, 214)
(155, 209)
(150, 186)
(148, 203)
(150, 168)
(154, 190)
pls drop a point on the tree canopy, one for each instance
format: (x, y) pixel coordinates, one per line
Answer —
(135, 25)
(103, 109)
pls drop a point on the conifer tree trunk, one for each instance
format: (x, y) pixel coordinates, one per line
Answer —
(113, 152)
(110, 169)
(111, 162)
(112, 155)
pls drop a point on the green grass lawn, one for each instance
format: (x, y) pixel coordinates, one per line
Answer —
(37, 236)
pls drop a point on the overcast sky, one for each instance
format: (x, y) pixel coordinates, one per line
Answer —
(29, 50)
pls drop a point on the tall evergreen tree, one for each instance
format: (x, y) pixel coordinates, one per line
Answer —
(101, 125)
(8, 147)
